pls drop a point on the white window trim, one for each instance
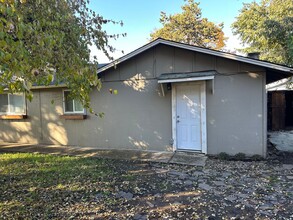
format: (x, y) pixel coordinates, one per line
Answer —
(73, 112)
(9, 106)
(203, 116)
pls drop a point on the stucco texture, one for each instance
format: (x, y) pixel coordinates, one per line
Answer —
(140, 117)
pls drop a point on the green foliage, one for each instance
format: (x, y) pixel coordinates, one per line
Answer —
(267, 28)
(240, 156)
(189, 27)
(256, 157)
(43, 182)
(48, 41)
(40, 170)
(129, 177)
(223, 156)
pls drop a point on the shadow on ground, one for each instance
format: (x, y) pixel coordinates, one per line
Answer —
(162, 157)
(38, 186)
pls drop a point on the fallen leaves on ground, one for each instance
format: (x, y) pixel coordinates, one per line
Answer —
(36, 186)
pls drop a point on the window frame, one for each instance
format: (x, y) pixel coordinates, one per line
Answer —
(83, 112)
(9, 105)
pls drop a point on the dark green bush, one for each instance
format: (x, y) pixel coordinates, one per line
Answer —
(223, 156)
(256, 157)
(240, 156)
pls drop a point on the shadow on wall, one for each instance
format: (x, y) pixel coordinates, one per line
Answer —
(53, 130)
(133, 114)
(139, 144)
(17, 131)
(44, 127)
(157, 142)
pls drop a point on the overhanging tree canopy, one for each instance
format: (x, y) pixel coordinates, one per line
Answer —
(48, 41)
(267, 28)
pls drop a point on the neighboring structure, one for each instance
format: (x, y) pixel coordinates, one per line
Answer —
(280, 104)
(171, 96)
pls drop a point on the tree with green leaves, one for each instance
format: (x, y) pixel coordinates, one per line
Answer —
(48, 41)
(267, 28)
(189, 27)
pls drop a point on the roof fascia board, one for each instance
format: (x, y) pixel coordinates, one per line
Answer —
(130, 55)
(196, 49)
(229, 56)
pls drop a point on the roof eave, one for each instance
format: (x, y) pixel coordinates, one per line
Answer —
(197, 49)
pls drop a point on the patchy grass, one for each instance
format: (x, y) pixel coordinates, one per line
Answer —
(42, 186)
(36, 185)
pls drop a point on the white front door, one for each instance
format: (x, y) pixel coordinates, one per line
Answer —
(189, 117)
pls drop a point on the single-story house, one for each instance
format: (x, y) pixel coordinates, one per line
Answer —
(164, 96)
(280, 104)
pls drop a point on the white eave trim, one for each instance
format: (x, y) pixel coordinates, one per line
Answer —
(197, 49)
(280, 85)
(186, 79)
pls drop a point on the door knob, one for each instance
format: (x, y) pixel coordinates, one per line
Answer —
(178, 116)
(178, 121)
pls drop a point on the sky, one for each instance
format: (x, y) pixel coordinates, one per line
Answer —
(141, 17)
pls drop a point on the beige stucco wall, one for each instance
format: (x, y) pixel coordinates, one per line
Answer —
(236, 115)
(139, 116)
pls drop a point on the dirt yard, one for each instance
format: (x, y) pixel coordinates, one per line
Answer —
(37, 186)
